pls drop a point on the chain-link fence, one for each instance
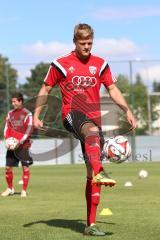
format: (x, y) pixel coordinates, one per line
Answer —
(144, 73)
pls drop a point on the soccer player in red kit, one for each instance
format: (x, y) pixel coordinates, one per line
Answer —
(79, 76)
(19, 124)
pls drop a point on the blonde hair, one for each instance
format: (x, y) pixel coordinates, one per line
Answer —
(83, 31)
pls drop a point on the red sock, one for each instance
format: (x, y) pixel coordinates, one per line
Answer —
(9, 178)
(26, 175)
(93, 152)
(92, 200)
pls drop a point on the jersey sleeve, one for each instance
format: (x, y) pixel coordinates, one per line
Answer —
(7, 127)
(106, 76)
(55, 73)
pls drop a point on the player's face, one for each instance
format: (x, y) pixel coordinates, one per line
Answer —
(83, 48)
(16, 103)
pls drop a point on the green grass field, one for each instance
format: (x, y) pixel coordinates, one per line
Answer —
(55, 206)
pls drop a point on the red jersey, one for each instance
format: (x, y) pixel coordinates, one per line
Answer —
(80, 83)
(19, 124)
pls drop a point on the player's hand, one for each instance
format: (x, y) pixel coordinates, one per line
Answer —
(131, 119)
(38, 123)
(12, 143)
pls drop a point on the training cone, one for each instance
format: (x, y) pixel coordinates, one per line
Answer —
(106, 212)
(128, 184)
(20, 182)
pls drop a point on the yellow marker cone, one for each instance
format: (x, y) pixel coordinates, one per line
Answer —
(106, 212)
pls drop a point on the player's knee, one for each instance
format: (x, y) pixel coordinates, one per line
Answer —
(89, 129)
(9, 168)
(26, 169)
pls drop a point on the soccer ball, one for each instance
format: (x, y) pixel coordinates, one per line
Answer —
(117, 149)
(143, 174)
(11, 143)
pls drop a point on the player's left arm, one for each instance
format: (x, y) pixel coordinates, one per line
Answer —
(6, 129)
(28, 128)
(118, 98)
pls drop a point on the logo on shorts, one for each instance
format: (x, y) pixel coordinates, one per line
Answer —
(93, 70)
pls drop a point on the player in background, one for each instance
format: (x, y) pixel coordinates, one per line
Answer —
(79, 76)
(19, 124)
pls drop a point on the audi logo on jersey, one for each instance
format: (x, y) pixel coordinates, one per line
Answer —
(81, 83)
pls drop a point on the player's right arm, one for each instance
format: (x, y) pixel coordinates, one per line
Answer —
(53, 75)
(40, 102)
(51, 79)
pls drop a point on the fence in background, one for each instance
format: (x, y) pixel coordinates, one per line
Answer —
(49, 152)
(148, 70)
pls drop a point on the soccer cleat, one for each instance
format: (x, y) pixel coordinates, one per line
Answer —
(102, 179)
(8, 192)
(23, 193)
(93, 230)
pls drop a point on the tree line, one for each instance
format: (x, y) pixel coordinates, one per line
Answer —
(135, 93)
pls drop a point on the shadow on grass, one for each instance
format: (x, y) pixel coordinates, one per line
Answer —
(76, 225)
(17, 193)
